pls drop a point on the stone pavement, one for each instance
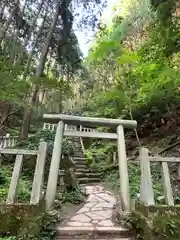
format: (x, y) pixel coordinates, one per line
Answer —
(97, 211)
(94, 219)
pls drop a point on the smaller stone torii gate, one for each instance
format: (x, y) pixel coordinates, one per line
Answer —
(119, 124)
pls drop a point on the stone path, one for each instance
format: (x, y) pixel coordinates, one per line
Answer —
(97, 211)
(94, 219)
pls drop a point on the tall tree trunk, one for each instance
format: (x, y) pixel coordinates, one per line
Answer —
(39, 72)
(3, 32)
(33, 25)
(3, 6)
(34, 46)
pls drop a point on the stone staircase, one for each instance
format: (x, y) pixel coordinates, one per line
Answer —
(83, 173)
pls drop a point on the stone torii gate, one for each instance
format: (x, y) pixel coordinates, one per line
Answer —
(119, 124)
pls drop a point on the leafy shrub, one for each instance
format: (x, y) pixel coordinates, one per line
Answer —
(166, 227)
(100, 153)
(24, 186)
(8, 238)
(32, 142)
(75, 196)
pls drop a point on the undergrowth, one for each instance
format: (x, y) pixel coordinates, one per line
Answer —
(23, 189)
(8, 238)
(74, 197)
(100, 156)
(32, 142)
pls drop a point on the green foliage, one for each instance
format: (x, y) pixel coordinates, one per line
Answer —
(24, 186)
(13, 86)
(100, 154)
(156, 226)
(109, 43)
(138, 223)
(112, 179)
(144, 86)
(8, 238)
(33, 141)
(75, 196)
(166, 227)
(142, 79)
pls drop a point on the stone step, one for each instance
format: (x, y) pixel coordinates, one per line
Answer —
(79, 158)
(81, 164)
(86, 177)
(87, 170)
(87, 237)
(88, 174)
(88, 180)
(101, 233)
(80, 161)
(84, 171)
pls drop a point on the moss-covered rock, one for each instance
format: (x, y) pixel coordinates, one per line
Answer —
(21, 220)
(151, 211)
(155, 222)
(166, 227)
(139, 225)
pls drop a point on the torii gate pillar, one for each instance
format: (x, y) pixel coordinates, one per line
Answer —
(54, 167)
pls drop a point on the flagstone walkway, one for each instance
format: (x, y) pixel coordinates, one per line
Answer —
(97, 211)
(95, 219)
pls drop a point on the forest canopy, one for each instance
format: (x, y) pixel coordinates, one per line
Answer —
(134, 62)
(40, 56)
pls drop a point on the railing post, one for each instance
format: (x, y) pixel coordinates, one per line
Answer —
(1, 142)
(5, 143)
(168, 194)
(39, 174)
(146, 190)
(114, 157)
(82, 145)
(123, 170)
(54, 167)
(15, 179)
(13, 142)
